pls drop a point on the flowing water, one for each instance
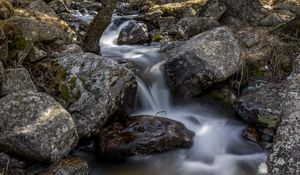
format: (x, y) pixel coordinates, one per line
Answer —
(218, 148)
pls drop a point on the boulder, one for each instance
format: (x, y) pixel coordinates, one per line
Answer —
(58, 6)
(167, 24)
(34, 125)
(17, 79)
(36, 54)
(40, 7)
(22, 38)
(68, 166)
(140, 135)
(213, 8)
(94, 89)
(189, 27)
(2, 76)
(261, 104)
(207, 58)
(284, 155)
(134, 33)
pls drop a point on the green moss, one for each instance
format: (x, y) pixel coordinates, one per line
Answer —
(177, 36)
(270, 120)
(64, 91)
(73, 82)
(157, 37)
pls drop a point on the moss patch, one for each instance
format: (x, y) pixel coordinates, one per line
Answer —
(270, 120)
(157, 37)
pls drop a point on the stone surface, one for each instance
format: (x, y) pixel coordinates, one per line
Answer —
(134, 33)
(58, 6)
(68, 166)
(34, 125)
(144, 135)
(209, 57)
(95, 88)
(278, 18)
(261, 104)
(18, 79)
(213, 9)
(167, 24)
(284, 156)
(36, 54)
(189, 27)
(6, 10)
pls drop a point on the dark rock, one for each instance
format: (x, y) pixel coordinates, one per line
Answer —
(58, 6)
(134, 33)
(35, 126)
(278, 18)
(68, 166)
(251, 134)
(36, 54)
(88, 5)
(261, 104)
(3, 46)
(167, 24)
(209, 57)
(189, 27)
(143, 135)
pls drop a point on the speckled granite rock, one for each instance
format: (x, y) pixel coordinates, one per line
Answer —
(34, 125)
(284, 156)
(209, 57)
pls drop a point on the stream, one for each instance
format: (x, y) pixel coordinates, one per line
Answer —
(218, 148)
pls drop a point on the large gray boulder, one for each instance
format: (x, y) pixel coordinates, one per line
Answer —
(209, 57)
(284, 155)
(34, 125)
(140, 135)
(95, 88)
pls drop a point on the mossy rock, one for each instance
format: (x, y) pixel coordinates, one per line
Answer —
(157, 37)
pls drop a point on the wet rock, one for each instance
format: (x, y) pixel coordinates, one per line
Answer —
(134, 33)
(36, 54)
(189, 27)
(68, 166)
(278, 18)
(251, 134)
(18, 79)
(35, 126)
(144, 135)
(209, 57)
(284, 154)
(261, 104)
(94, 89)
(213, 8)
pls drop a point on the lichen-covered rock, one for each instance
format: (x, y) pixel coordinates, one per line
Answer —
(68, 166)
(189, 27)
(167, 24)
(17, 79)
(209, 57)
(134, 33)
(95, 88)
(261, 104)
(284, 156)
(22, 37)
(214, 9)
(34, 125)
(143, 135)
(39, 6)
